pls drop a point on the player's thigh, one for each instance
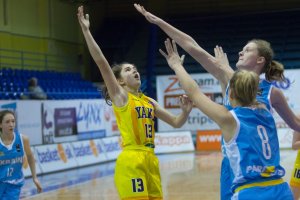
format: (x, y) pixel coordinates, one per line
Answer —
(154, 179)
(130, 174)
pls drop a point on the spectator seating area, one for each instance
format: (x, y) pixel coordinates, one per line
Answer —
(57, 85)
(232, 32)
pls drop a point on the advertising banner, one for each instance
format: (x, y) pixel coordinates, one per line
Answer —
(55, 157)
(168, 91)
(74, 120)
(86, 152)
(112, 147)
(209, 140)
(173, 142)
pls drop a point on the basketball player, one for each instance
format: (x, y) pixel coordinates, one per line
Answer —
(13, 147)
(257, 56)
(137, 173)
(248, 129)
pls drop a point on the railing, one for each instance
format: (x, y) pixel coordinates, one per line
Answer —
(37, 61)
(25, 95)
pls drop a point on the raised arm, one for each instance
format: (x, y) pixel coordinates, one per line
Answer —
(174, 120)
(31, 162)
(116, 92)
(216, 112)
(222, 73)
(281, 106)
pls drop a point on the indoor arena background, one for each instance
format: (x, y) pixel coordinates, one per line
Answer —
(73, 133)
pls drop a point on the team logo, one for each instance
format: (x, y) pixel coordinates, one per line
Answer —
(260, 91)
(1, 153)
(18, 148)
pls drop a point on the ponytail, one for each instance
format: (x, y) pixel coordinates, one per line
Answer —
(106, 95)
(274, 71)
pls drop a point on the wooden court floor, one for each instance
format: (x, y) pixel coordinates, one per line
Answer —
(193, 176)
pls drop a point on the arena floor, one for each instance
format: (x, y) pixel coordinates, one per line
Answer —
(190, 176)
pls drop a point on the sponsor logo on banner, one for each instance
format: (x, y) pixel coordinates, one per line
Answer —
(83, 150)
(168, 92)
(173, 142)
(202, 82)
(111, 147)
(209, 140)
(47, 155)
(65, 122)
(55, 157)
(54, 154)
(92, 119)
(99, 146)
(67, 151)
(172, 101)
(90, 114)
(87, 152)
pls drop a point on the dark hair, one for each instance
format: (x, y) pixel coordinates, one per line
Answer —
(273, 70)
(116, 68)
(32, 82)
(244, 87)
(3, 113)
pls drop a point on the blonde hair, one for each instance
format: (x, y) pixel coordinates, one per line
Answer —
(244, 87)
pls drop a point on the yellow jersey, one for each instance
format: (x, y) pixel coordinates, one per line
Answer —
(136, 122)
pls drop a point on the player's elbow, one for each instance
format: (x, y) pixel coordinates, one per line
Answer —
(176, 125)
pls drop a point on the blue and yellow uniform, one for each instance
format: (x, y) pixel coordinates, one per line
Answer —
(11, 162)
(263, 96)
(137, 173)
(254, 157)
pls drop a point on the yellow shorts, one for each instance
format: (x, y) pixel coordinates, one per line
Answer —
(295, 179)
(137, 175)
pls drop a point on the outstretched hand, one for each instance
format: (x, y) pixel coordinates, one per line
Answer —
(38, 185)
(83, 19)
(171, 55)
(149, 16)
(221, 59)
(185, 103)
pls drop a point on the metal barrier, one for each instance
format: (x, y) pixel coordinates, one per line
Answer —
(37, 61)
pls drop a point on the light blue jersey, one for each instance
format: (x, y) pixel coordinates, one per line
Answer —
(11, 161)
(253, 152)
(265, 88)
(263, 96)
(254, 156)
